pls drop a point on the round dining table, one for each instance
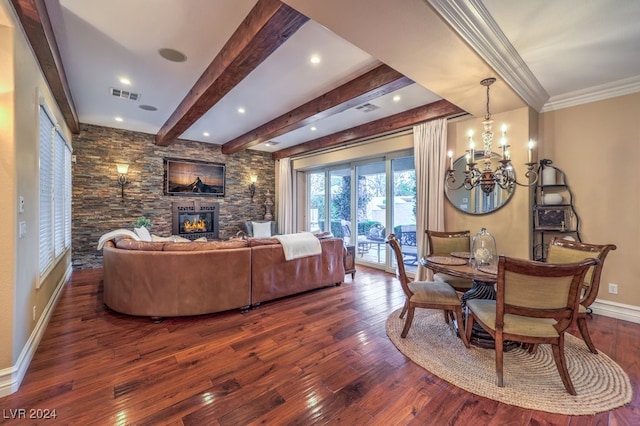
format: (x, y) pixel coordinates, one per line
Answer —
(483, 278)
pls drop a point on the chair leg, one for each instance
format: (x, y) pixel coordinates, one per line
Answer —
(461, 331)
(584, 331)
(468, 325)
(499, 358)
(404, 308)
(407, 322)
(446, 316)
(561, 364)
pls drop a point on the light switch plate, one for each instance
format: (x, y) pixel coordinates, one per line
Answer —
(23, 229)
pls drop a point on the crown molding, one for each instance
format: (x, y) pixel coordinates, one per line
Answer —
(623, 87)
(473, 22)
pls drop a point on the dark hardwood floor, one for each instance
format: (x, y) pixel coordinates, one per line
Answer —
(318, 358)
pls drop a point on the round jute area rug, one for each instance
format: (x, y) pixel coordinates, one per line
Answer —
(530, 380)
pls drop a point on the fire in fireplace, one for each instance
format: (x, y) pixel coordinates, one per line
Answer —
(194, 220)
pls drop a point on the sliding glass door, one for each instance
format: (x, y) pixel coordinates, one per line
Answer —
(365, 202)
(403, 187)
(371, 207)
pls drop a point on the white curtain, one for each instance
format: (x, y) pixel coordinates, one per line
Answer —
(285, 196)
(430, 146)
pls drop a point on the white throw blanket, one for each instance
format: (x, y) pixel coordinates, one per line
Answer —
(298, 245)
(116, 235)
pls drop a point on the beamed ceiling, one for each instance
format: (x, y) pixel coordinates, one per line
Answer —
(384, 66)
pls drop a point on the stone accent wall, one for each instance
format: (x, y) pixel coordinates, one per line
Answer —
(98, 207)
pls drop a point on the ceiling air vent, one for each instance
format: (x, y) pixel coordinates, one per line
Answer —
(119, 93)
(368, 107)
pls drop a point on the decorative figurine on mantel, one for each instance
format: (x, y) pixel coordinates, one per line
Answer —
(268, 204)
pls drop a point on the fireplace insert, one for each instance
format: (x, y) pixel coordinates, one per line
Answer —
(194, 220)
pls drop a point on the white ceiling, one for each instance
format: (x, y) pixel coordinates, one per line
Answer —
(549, 54)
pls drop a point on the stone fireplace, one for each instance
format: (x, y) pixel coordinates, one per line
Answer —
(195, 219)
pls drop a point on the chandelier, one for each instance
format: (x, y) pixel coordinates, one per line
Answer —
(483, 174)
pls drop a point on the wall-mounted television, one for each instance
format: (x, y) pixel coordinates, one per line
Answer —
(194, 178)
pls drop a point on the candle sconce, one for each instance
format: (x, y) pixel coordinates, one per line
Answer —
(123, 169)
(252, 186)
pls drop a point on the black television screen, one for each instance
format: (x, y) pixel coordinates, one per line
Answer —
(194, 178)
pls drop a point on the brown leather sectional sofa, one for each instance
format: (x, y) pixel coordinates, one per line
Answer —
(167, 279)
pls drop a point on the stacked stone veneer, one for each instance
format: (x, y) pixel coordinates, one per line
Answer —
(99, 208)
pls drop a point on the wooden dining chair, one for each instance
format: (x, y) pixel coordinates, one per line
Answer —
(443, 243)
(425, 294)
(565, 251)
(535, 304)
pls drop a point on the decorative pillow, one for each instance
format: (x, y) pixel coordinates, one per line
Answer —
(143, 233)
(116, 235)
(376, 233)
(261, 229)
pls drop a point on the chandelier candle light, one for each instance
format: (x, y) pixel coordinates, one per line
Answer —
(487, 178)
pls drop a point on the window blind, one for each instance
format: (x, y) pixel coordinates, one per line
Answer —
(46, 189)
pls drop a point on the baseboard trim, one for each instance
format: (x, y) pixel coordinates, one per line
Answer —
(616, 310)
(11, 378)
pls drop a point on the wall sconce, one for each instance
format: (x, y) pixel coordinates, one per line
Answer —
(252, 187)
(122, 175)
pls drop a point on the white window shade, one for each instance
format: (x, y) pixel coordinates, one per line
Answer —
(46, 189)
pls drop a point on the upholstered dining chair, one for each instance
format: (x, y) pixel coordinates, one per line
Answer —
(535, 304)
(443, 243)
(423, 294)
(565, 251)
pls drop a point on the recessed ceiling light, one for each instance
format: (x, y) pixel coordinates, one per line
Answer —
(396, 98)
(313, 128)
(172, 55)
(241, 110)
(271, 143)
(119, 119)
(314, 59)
(205, 134)
(125, 80)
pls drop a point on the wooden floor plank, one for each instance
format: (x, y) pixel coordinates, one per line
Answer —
(321, 357)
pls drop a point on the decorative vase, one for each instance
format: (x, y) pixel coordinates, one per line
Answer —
(268, 205)
(548, 176)
(483, 249)
(552, 199)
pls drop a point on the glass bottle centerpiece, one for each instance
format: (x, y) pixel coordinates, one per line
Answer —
(483, 249)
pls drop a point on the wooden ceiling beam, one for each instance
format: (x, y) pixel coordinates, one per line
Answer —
(36, 24)
(396, 122)
(375, 83)
(269, 24)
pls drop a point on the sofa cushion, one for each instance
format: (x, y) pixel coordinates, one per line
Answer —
(321, 235)
(205, 245)
(254, 242)
(131, 244)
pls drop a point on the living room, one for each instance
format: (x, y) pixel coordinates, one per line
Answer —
(595, 143)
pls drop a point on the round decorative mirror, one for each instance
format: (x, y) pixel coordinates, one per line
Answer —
(475, 200)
